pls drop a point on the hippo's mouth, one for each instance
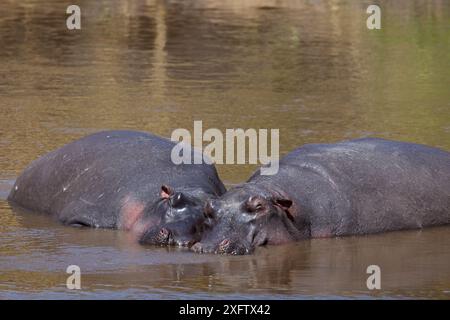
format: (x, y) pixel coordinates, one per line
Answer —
(163, 236)
(225, 247)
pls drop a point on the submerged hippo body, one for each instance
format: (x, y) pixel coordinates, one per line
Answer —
(123, 180)
(355, 187)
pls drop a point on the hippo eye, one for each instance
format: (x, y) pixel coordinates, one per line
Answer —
(208, 211)
(177, 200)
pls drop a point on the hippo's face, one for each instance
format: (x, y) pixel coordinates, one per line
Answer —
(179, 216)
(242, 220)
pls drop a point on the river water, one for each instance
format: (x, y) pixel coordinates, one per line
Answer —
(311, 69)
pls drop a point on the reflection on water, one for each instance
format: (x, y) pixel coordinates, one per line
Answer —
(309, 68)
(36, 252)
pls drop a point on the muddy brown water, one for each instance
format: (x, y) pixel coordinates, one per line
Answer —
(309, 68)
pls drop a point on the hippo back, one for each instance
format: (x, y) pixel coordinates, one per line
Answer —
(366, 185)
(104, 170)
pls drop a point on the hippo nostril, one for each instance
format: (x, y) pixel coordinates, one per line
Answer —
(164, 232)
(224, 244)
(163, 235)
(184, 242)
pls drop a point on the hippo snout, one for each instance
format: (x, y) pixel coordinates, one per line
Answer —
(162, 236)
(168, 236)
(224, 247)
(203, 248)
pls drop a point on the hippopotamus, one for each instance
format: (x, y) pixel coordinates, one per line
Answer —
(354, 187)
(121, 180)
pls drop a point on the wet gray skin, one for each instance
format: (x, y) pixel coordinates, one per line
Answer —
(246, 217)
(120, 180)
(354, 187)
(181, 218)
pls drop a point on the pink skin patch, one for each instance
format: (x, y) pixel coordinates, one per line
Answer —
(130, 213)
(141, 226)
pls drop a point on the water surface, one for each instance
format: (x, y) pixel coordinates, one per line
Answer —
(309, 68)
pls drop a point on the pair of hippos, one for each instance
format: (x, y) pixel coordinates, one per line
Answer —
(126, 180)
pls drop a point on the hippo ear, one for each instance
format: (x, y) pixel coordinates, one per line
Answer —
(166, 192)
(286, 205)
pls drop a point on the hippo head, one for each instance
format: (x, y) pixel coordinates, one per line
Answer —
(177, 217)
(245, 218)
